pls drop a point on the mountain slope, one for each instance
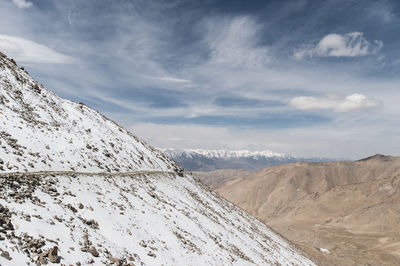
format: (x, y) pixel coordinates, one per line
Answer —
(39, 130)
(87, 191)
(217, 178)
(148, 218)
(344, 213)
(211, 160)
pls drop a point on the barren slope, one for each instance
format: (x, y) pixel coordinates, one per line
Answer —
(349, 210)
(215, 179)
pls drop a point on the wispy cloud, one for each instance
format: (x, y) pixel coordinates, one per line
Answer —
(351, 103)
(172, 79)
(22, 3)
(233, 42)
(335, 45)
(26, 51)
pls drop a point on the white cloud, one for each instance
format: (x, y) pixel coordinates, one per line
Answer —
(233, 42)
(172, 79)
(27, 51)
(335, 45)
(22, 3)
(351, 103)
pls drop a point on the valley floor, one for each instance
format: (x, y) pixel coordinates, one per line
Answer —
(337, 246)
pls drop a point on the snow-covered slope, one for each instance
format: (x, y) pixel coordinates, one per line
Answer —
(88, 191)
(155, 219)
(39, 130)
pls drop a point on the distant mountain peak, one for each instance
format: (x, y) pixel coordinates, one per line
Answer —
(379, 157)
(225, 153)
(210, 160)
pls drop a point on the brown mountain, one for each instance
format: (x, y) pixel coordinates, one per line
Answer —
(343, 213)
(217, 178)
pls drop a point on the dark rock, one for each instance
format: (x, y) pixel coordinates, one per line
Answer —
(8, 225)
(72, 208)
(92, 223)
(151, 254)
(6, 255)
(53, 255)
(92, 250)
(42, 259)
(143, 244)
(116, 261)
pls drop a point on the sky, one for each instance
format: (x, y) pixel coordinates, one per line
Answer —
(302, 77)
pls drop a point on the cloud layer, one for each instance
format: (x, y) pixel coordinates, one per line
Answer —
(26, 51)
(335, 45)
(22, 3)
(351, 103)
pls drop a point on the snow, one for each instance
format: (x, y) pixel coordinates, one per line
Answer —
(39, 130)
(71, 178)
(175, 218)
(324, 250)
(226, 154)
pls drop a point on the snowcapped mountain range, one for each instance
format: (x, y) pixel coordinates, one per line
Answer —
(224, 153)
(76, 188)
(210, 160)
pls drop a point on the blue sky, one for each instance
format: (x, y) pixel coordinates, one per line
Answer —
(308, 78)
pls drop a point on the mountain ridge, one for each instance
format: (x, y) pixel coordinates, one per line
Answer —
(210, 160)
(225, 153)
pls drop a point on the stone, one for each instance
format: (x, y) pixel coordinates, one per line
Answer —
(151, 254)
(42, 259)
(53, 255)
(8, 225)
(92, 250)
(5, 255)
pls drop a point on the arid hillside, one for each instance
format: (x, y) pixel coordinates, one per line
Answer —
(217, 178)
(343, 213)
